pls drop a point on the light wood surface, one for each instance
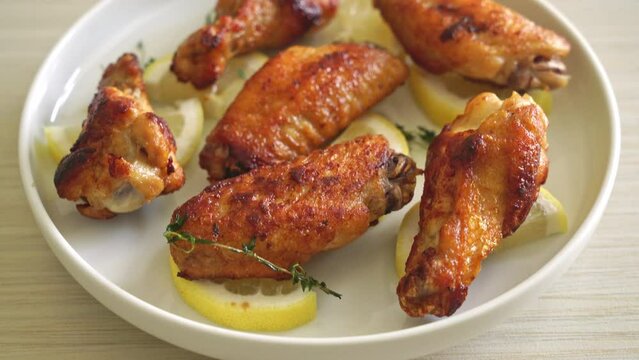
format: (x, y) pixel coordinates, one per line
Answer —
(591, 312)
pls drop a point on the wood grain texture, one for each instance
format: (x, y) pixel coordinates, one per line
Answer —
(590, 312)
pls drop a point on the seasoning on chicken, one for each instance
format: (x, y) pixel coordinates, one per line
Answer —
(297, 102)
(483, 173)
(125, 154)
(243, 26)
(293, 210)
(478, 39)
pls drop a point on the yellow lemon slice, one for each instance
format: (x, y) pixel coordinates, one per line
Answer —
(249, 304)
(357, 21)
(546, 217)
(185, 121)
(407, 231)
(60, 139)
(443, 97)
(373, 123)
(163, 87)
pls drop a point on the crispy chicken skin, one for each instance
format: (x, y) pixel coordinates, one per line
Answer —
(243, 26)
(299, 101)
(125, 154)
(483, 173)
(294, 209)
(479, 39)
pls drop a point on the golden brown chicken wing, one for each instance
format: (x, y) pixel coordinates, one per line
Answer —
(300, 100)
(125, 155)
(294, 209)
(479, 39)
(243, 26)
(483, 173)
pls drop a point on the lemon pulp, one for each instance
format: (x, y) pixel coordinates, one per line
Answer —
(372, 123)
(60, 139)
(186, 120)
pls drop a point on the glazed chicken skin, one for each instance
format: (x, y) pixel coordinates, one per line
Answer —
(299, 101)
(294, 209)
(478, 39)
(125, 154)
(483, 174)
(243, 26)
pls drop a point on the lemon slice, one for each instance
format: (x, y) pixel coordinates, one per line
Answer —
(238, 71)
(372, 123)
(60, 139)
(186, 121)
(443, 97)
(249, 304)
(407, 231)
(546, 217)
(163, 86)
(357, 21)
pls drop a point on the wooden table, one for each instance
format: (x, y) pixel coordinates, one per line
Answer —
(591, 312)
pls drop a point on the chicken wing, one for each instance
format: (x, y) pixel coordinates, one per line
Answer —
(243, 26)
(479, 39)
(299, 101)
(483, 173)
(125, 154)
(293, 209)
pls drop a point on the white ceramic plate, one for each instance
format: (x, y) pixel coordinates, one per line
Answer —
(123, 262)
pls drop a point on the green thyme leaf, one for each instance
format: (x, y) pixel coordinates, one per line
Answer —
(250, 246)
(424, 136)
(149, 62)
(177, 224)
(407, 134)
(211, 16)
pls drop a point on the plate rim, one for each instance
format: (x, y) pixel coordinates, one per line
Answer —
(98, 285)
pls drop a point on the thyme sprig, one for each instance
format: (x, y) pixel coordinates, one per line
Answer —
(211, 16)
(423, 135)
(142, 55)
(297, 273)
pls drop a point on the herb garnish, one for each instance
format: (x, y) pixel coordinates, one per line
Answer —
(211, 16)
(425, 136)
(142, 55)
(297, 273)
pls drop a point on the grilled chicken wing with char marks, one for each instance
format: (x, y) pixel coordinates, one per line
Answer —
(297, 102)
(479, 39)
(125, 154)
(483, 173)
(294, 209)
(243, 26)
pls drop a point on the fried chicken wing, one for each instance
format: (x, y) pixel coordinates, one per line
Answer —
(243, 26)
(125, 154)
(483, 173)
(297, 102)
(294, 209)
(479, 39)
